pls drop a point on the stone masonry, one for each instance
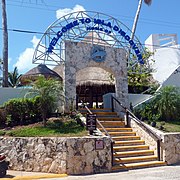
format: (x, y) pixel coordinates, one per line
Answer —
(170, 142)
(78, 56)
(57, 155)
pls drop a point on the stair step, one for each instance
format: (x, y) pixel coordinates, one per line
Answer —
(122, 133)
(135, 159)
(125, 138)
(138, 165)
(118, 129)
(109, 124)
(110, 118)
(131, 148)
(134, 153)
(106, 113)
(95, 110)
(130, 143)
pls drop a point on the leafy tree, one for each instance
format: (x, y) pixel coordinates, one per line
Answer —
(141, 76)
(49, 92)
(14, 78)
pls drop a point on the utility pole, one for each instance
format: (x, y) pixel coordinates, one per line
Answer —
(5, 44)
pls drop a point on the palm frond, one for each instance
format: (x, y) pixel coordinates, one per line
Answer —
(148, 2)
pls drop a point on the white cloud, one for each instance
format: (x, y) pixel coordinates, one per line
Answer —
(24, 62)
(63, 12)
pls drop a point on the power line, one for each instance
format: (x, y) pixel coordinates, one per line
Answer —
(128, 18)
(41, 33)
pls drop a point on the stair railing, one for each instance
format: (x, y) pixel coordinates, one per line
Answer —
(106, 132)
(146, 128)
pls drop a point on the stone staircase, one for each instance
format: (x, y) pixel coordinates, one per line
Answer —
(129, 151)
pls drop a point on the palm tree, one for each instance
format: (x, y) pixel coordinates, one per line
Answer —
(14, 78)
(49, 93)
(167, 102)
(148, 2)
(5, 44)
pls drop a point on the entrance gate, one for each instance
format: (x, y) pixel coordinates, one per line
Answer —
(91, 39)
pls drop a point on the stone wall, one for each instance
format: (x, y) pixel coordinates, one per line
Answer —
(57, 155)
(78, 57)
(140, 131)
(170, 142)
(171, 147)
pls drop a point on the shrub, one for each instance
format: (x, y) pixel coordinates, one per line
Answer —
(2, 117)
(22, 111)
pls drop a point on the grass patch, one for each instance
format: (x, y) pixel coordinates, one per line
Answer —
(171, 126)
(55, 128)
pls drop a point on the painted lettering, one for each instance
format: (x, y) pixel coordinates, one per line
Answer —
(69, 26)
(87, 20)
(115, 28)
(96, 21)
(64, 29)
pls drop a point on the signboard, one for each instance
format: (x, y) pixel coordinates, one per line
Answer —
(99, 144)
(91, 122)
(98, 25)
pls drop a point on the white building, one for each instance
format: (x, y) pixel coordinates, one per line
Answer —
(167, 57)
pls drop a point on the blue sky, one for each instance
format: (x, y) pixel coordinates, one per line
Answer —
(36, 15)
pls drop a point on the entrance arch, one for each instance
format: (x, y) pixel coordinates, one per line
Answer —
(91, 39)
(78, 56)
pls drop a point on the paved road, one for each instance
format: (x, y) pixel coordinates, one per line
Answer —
(156, 173)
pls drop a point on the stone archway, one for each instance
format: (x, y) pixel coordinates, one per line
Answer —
(78, 56)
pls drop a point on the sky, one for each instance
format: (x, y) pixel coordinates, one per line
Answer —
(162, 17)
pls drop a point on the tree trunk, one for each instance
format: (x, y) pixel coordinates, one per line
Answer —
(5, 45)
(136, 19)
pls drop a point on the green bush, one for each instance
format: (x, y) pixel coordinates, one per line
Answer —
(2, 117)
(163, 107)
(22, 111)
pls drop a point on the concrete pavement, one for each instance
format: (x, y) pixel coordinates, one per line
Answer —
(156, 173)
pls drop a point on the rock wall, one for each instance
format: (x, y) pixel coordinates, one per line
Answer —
(140, 131)
(57, 155)
(170, 142)
(171, 147)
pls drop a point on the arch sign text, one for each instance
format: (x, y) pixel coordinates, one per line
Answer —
(99, 25)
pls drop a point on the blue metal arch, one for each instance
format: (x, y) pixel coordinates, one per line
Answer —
(91, 27)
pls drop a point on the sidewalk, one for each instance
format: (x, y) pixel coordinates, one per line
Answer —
(21, 175)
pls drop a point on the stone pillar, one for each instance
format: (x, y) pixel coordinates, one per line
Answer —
(70, 80)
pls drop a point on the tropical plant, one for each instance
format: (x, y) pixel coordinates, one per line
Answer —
(49, 92)
(140, 77)
(167, 102)
(14, 78)
(5, 44)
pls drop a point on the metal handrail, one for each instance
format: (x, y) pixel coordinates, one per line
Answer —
(90, 112)
(128, 112)
(112, 141)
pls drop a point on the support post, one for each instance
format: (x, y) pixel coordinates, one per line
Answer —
(158, 150)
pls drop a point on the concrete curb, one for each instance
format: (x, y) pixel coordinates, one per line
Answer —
(15, 175)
